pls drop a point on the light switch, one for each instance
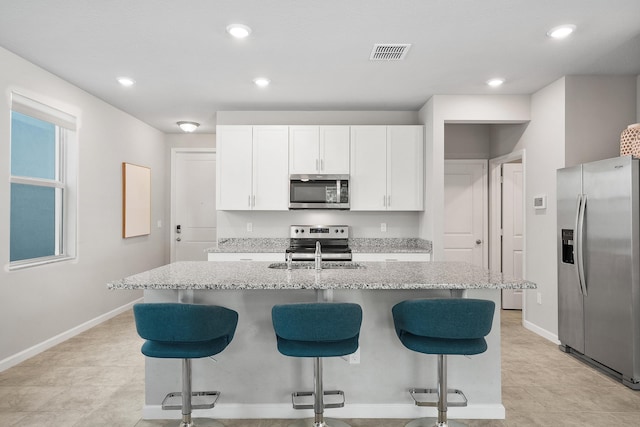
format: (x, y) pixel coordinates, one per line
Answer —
(383, 227)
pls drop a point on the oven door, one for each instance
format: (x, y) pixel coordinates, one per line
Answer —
(319, 192)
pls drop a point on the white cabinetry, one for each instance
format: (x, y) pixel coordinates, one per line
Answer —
(387, 168)
(252, 168)
(319, 149)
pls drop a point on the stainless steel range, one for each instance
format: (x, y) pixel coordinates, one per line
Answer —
(334, 242)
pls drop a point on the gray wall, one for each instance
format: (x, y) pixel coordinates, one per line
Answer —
(39, 303)
(598, 109)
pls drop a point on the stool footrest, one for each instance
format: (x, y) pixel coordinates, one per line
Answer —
(434, 391)
(177, 396)
(297, 405)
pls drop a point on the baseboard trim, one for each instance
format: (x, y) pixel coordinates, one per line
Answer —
(542, 332)
(53, 341)
(267, 411)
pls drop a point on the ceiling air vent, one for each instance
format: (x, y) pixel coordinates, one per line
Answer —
(389, 52)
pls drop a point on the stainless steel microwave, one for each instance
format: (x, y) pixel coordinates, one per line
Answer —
(319, 191)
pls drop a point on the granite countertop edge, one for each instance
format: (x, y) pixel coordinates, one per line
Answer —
(238, 275)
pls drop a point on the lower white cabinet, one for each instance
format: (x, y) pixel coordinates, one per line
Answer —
(364, 257)
(246, 256)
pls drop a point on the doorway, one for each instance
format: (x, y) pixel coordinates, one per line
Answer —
(466, 212)
(193, 203)
(507, 228)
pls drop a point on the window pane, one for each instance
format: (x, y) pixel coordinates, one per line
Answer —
(33, 231)
(33, 147)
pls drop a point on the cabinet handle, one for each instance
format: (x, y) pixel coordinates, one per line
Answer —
(253, 203)
(321, 165)
(317, 167)
(249, 200)
(389, 201)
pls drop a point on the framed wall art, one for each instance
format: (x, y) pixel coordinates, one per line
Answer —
(136, 200)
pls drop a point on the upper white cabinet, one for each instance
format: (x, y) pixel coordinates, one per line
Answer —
(252, 168)
(319, 149)
(387, 168)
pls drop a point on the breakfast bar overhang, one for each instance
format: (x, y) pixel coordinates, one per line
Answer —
(256, 381)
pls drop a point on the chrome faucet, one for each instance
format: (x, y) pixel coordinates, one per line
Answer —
(318, 256)
(289, 259)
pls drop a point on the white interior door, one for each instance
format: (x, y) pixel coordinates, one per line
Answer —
(194, 205)
(465, 211)
(512, 231)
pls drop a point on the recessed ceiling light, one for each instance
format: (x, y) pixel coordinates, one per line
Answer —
(262, 82)
(126, 81)
(239, 31)
(495, 82)
(561, 31)
(188, 126)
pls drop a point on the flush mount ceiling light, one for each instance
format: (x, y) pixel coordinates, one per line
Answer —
(239, 31)
(561, 32)
(188, 126)
(495, 82)
(261, 81)
(126, 81)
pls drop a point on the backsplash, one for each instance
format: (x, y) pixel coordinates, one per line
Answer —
(276, 224)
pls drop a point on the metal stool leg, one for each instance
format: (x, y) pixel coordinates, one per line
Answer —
(318, 402)
(187, 405)
(442, 404)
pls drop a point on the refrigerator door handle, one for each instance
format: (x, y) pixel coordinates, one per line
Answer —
(582, 207)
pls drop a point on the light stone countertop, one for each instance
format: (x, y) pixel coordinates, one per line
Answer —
(357, 245)
(230, 275)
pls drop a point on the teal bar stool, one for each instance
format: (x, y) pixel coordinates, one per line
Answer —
(186, 331)
(317, 330)
(452, 326)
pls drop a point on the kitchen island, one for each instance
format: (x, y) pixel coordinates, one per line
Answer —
(256, 380)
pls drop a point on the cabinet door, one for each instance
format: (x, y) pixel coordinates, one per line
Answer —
(334, 149)
(303, 149)
(234, 167)
(405, 181)
(368, 179)
(270, 168)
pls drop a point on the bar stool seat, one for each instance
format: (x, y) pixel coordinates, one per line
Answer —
(317, 330)
(185, 331)
(450, 326)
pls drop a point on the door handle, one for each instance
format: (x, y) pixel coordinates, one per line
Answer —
(582, 207)
(178, 239)
(478, 242)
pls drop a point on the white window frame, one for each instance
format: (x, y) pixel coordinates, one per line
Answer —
(66, 179)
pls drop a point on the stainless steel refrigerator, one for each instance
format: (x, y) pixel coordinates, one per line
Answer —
(599, 265)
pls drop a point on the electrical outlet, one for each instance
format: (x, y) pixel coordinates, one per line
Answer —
(249, 227)
(383, 227)
(539, 297)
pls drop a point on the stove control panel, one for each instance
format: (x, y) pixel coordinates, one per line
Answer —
(319, 232)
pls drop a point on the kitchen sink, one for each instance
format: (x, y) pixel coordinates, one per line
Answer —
(309, 265)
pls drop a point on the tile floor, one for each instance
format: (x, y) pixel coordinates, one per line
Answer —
(90, 381)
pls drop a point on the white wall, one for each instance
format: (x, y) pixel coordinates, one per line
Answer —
(40, 303)
(543, 140)
(275, 224)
